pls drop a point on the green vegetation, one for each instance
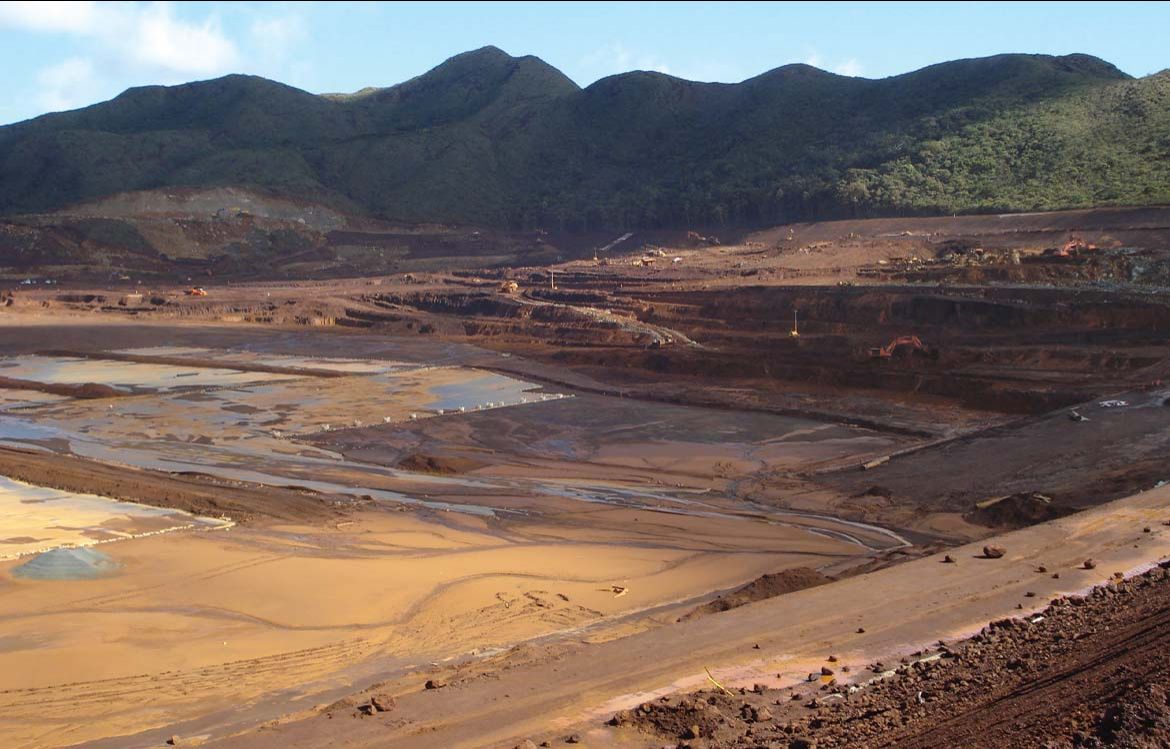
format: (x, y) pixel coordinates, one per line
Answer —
(486, 138)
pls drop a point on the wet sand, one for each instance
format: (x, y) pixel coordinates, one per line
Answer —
(211, 622)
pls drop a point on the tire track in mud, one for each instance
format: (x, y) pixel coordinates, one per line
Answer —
(103, 690)
(95, 604)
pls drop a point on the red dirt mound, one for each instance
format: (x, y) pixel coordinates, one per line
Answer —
(437, 464)
(1016, 511)
(765, 586)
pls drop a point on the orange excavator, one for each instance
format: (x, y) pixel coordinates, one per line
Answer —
(196, 291)
(1074, 246)
(914, 342)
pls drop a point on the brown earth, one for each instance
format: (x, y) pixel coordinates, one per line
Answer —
(85, 390)
(1116, 452)
(1015, 511)
(899, 612)
(1087, 671)
(673, 364)
(763, 587)
(201, 495)
(434, 464)
(212, 235)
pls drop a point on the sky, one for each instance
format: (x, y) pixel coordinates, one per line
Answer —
(64, 55)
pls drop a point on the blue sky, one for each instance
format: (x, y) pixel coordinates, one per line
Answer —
(62, 55)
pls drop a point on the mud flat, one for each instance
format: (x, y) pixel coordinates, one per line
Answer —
(573, 522)
(11, 398)
(124, 376)
(217, 624)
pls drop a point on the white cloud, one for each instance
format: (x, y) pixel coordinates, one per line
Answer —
(163, 41)
(147, 36)
(850, 67)
(104, 47)
(66, 85)
(71, 17)
(815, 60)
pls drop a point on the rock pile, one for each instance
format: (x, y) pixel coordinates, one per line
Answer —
(1087, 672)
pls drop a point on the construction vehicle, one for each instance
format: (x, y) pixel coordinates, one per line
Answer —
(912, 341)
(509, 287)
(196, 291)
(1074, 246)
(795, 332)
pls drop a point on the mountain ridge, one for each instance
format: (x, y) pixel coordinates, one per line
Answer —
(489, 138)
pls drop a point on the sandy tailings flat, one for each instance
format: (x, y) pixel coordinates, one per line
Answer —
(195, 624)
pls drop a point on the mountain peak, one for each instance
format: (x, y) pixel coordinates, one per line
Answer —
(493, 59)
(795, 71)
(487, 52)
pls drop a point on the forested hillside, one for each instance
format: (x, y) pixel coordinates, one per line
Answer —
(486, 138)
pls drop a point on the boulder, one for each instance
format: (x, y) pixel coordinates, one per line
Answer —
(382, 702)
(622, 718)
